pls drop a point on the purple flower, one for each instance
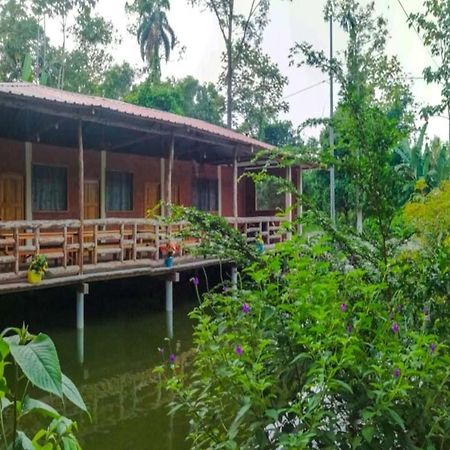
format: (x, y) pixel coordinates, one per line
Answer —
(172, 358)
(195, 280)
(344, 307)
(395, 328)
(239, 350)
(433, 347)
(397, 373)
(349, 328)
(245, 308)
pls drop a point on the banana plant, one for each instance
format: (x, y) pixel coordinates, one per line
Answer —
(32, 361)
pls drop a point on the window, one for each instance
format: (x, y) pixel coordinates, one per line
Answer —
(49, 188)
(119, 191)
(267, 196)
(205, 195)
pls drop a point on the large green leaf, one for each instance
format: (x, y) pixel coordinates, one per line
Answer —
(23, 442)
(39, 362)
(4, 349)
(71, 392)
(32, 405)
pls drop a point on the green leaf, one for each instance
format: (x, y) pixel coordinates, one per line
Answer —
(71, 392)
(4, 349)
(5, 403)
(23, 442)
(69, 443)
(232, 432)
(396, 418)
(368, 433)
(39, 362)
(32, 405)
(27, 69)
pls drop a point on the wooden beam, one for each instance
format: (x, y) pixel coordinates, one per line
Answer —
(289, 193)
(103, 157)
(169, 175)
(219, 190)
(94, 116)
(81, 192)
(235, 186)
(163, 186)
(28, 181)
(135, 140)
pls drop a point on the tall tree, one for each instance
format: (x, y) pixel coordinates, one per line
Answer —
(434, 26)
(186, 97)
(61, 10)
(374, 112)
(20, 36)
(239, 30)
(117, 81)
(153, 32)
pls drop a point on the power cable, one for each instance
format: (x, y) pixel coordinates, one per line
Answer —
(305, 89)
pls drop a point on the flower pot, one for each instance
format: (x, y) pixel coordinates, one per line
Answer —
(34, 277)
(169, 261)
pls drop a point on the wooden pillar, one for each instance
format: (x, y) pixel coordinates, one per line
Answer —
(300, 201)
(28, 181)
(289, 193)
(162, 163)
(81, 192)
(219, 190)
(103, 184)
(169, 175)
(235, 187)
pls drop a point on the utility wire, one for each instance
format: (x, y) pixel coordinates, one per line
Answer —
(305, 89)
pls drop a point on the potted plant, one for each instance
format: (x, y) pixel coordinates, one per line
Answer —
(259, 243)
(170, 250)
(37, 269)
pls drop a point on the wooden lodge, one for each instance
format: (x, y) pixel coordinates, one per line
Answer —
(78, 173)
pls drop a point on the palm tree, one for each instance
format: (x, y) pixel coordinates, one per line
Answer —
(154, 33)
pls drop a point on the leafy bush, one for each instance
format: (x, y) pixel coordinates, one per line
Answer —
(312, 354)
(32, 360)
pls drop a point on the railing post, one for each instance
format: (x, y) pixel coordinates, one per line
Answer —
(95, 239)
(65, 246)
(134, 241)
(122, 242)
(157, 241)
(17, 250)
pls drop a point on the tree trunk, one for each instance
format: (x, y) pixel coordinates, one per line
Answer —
(229, 50)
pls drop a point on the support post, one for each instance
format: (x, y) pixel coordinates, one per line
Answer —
(289, 198)
(235, 187)
(163, 186)
(169, 175)
(300, 201)
(81, 193)
(219, 190)
(80, 345)
(103, 184)
(234, 278)
(28, 181)
(82, 290)
(331, 132)
(169, 295)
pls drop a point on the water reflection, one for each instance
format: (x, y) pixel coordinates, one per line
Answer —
(112, 363)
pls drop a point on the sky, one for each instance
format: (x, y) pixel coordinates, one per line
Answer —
(290, 22)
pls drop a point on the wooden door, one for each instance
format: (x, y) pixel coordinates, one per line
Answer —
(11, 197)
(151, 198)
(91, 200)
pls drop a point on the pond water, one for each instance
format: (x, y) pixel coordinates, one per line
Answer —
(111, 364)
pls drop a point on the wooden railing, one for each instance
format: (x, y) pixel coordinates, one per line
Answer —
(107, 243)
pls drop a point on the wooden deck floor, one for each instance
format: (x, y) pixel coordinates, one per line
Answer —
(107, 271)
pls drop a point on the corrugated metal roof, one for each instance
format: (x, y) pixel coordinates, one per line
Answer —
(47, 94)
